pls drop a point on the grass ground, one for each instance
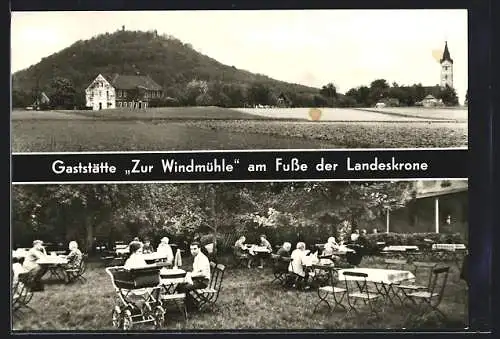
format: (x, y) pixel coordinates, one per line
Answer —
(192, 128)
(247, 301)
(391, 114)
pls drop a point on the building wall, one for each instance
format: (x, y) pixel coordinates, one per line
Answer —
(446, 74)
(123, 99)
(418, 216)
(100, 95)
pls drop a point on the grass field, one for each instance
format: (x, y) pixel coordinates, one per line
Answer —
(196, 128)
(390, 114)
(247, 301)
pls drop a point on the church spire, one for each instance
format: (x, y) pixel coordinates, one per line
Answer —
(446, 54)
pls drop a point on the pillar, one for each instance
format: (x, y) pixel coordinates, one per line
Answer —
(436, 214)
(387, 220)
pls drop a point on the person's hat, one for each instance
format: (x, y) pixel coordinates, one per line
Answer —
(37, 242)
(164, 239)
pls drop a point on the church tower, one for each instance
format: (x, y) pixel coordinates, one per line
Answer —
(446, 68)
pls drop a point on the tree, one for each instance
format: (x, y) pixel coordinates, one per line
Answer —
(319, 101)
(259, 94)
(449, 96)
(70, 210)
(378, 89)
(329, 91)
(194, 89)
(466, 102)
(62, 93)
(21, 99)
(204, 99)
(361, 95)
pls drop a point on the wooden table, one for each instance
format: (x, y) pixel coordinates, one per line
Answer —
(53, 264)
(151, 258)
(383, 279)
(170, 278)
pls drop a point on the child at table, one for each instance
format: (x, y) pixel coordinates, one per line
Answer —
(75, 256)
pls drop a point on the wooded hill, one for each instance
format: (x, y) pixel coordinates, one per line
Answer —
(167, 60)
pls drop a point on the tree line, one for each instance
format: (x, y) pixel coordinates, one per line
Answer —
(283, 211)
(63, 95)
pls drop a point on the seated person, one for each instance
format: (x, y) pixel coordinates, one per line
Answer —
(284, 250)
(199, 277)
(264, 243)
(147, 248)
(31, 265)
(135, 260)
(355, 235)
(299, 262)
(75, 256)
(17, 268)
(314, 255)
(363, 241)
(330, 247)
(240, 249)
(281, 264)
(164, 248)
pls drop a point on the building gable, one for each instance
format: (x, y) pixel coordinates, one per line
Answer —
(99, 81)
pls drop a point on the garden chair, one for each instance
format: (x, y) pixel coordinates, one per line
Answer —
(280, 268)
(240, 258)
(398, 263)
(430, 298)
(408, 288)
(22, 294)
(207, 297)
(76, 274)
(357, 289)
(324, 292)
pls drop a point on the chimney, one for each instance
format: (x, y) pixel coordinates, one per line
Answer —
(123, 28)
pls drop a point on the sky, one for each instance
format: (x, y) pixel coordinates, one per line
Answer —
(311, 47)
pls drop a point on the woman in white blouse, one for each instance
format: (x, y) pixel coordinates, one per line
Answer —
(135, 260)
(299, 262)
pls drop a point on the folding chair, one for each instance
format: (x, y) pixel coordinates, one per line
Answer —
(430, 298)
(408, 288)
(325, 291)
(21, 294)
(356, 287)
(74, 274)
(240, 258)
(280, 268)
(399, 263)
(207, 297)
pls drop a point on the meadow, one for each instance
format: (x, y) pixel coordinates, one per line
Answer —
(202, 128)
(247, 301)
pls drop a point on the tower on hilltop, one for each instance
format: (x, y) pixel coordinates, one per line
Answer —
(446, 68)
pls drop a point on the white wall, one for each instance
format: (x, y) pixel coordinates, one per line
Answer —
(100, 92)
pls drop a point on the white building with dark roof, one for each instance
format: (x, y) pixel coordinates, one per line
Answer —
(130, 91)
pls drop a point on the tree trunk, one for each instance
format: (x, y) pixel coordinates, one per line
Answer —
(215, 221)
(89, 232)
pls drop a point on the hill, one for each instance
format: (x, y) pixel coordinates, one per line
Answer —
(170, 62)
